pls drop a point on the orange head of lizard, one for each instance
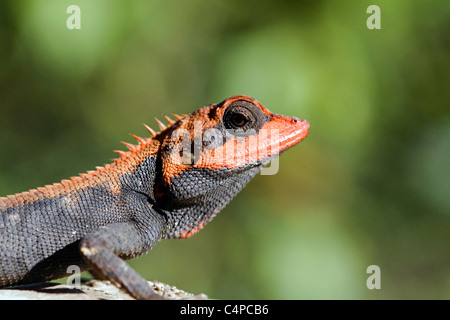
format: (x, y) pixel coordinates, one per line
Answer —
(207, 157)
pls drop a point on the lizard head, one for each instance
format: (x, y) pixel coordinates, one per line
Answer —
(207, 157)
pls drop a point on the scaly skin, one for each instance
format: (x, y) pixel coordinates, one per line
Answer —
(167, 186)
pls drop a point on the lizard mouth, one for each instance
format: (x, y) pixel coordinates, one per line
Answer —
(293, 133)
(284, 133)
(280, 134)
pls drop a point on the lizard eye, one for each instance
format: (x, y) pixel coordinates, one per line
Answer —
(238, 120)
(242, 118)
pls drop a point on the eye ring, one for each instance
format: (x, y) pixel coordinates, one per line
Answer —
(243, 118)
(238, 118)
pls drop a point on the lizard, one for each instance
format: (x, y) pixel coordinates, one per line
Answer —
(166, 186)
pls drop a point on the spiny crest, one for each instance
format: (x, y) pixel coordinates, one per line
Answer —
(161, 125)
(170, 121)
(139, 139)
(153, 134)
(130, 146)
(123, 154)
(178, 117)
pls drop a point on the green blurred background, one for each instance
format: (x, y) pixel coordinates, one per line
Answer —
(370, 185)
